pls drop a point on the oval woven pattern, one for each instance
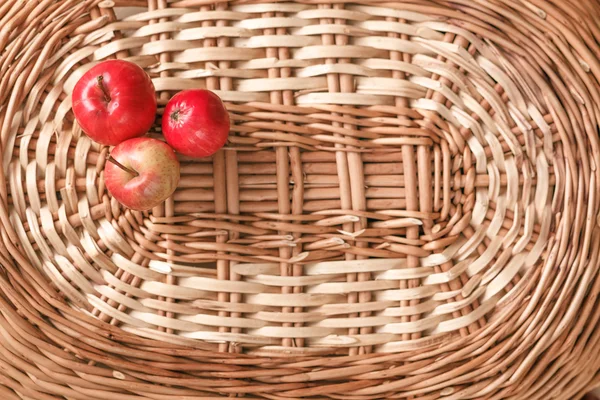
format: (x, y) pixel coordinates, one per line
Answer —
(407, 206)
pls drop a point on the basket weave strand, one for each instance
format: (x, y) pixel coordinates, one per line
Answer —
(406, 208)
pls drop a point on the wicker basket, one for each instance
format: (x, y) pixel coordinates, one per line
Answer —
(407, 206)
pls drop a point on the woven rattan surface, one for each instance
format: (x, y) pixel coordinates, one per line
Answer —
(406, 208)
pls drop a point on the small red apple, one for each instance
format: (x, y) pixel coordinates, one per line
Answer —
(114, 101)
(141, 173)
(196, 123)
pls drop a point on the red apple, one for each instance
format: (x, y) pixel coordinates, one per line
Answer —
(141, 173)
(196, 123)
(114, 101)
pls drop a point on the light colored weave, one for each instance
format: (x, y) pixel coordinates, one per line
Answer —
(407, 206)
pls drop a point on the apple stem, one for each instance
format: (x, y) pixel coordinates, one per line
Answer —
(103, 88)
(124, 168)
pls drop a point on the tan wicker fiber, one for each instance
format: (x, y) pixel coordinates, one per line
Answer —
(407, 206)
